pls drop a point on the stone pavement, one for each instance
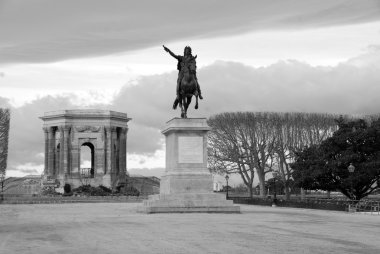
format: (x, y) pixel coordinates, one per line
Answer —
(118, 228)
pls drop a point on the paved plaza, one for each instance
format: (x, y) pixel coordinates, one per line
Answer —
(118, 228)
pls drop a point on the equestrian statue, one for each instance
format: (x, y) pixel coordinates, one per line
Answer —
(187, 82)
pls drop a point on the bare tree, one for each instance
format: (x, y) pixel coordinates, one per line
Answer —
(225, 154)
(257, 142)
(295, 131)
(241, 143)
(4, 135)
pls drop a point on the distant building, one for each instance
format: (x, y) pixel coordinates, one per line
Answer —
(146, 185)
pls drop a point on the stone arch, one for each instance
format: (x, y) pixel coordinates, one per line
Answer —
(88, 172)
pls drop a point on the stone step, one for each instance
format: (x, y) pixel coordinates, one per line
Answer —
(180, 196)
(228, 209)
(200, 202)
(187, 203)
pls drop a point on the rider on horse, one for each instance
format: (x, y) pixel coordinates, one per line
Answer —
(182, 61)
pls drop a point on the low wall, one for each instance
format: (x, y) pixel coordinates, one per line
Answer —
(72, 199)
(322, 204)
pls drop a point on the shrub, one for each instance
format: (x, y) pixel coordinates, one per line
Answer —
(131, 191)
(67, 188)
(241, 188)
(105, 189)
(49, 191)
(92, 191)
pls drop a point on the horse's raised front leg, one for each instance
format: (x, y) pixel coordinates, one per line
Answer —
(196, 102)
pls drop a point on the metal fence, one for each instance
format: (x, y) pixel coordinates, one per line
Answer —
(364, 206)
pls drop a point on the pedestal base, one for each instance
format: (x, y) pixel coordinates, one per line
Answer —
(188, 203)
(187, 184)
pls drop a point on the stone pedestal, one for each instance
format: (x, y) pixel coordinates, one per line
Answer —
(187, 184)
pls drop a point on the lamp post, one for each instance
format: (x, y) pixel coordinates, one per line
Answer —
(227, 177)
(351, 169)
(274, 204)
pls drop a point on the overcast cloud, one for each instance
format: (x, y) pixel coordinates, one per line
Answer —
(102, 54)
(53, 30)
(349, 88)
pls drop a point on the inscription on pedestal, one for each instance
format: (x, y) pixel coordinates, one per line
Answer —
(190, 149)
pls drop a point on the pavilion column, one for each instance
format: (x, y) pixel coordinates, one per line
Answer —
(66, 150)
(113, 150)
(74, 160)
(99, 160)
(61, 151)
(51, 151)
(123, 151)
(46, 167)
(107, 153)
(126, 149)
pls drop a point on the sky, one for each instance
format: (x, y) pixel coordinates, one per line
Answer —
(273, 55)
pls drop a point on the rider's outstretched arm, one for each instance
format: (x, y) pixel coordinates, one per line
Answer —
(170, 52)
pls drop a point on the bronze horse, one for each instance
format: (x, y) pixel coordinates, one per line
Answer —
(188, 87)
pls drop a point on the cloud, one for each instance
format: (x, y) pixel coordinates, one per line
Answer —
(348, 88)
(53, 30)
(25, 169)
(30, 171)
(4, 102)
(26, 139)
(284, 86)
(370, 59)
(291, 86)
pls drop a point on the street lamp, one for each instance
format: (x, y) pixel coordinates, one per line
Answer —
(351, 169)
(227, 177)
(274, 204)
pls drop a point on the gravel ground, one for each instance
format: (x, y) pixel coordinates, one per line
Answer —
(118, 228)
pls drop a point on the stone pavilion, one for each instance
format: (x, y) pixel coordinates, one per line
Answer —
(104, 132)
